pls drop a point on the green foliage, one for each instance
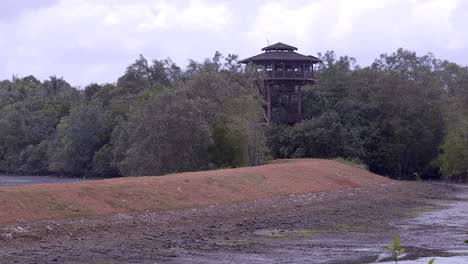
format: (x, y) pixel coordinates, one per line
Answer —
(102, 164)
(208, 119)
(166, 133)
(412, 125)
(29, 113)
(32, 159)
(353, 162)
(395, 252)
(339, 119)
(389, 115)
(79, 136)
(227, 149)
(155, 119)
(453, 160)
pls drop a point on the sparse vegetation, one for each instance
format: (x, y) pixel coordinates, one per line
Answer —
(353, 162)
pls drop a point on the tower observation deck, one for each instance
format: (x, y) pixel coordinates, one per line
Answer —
(286, 72)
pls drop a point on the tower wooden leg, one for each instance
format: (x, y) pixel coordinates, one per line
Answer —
(299, 104)
(269, 103)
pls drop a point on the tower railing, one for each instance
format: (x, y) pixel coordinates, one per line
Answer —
(290, 75)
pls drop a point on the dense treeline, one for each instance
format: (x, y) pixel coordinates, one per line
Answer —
(404, 116)
(156, 119)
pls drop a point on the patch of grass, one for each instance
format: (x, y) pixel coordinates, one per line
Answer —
(58, 206)
(41, 202)
(301, 232)
(305, 233)
(120, 205)
(232, 242)
(415, 211)
(210, 180)
(355, 162)
(350, 228)
(87, 188)
(82, 211)
(290, 234)
(343, 228)
(282, 161)
(253, 179)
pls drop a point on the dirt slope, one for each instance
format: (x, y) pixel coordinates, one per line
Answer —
(178, 191)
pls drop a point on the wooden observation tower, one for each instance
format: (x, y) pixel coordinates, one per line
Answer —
(286, 72)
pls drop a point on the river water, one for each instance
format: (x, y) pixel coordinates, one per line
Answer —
(441, 230)
(15, 180)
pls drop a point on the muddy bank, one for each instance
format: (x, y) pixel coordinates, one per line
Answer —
(344, 226)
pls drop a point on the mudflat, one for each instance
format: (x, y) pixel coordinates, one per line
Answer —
(348, 225)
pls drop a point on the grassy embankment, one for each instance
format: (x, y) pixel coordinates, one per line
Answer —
(178, 191)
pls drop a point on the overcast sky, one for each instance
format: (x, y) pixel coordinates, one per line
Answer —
(87, 41)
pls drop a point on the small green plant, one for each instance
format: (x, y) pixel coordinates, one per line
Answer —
(394, 252)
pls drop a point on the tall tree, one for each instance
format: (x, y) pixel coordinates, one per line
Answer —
(453, 159)
(166, 133)
(79, 136)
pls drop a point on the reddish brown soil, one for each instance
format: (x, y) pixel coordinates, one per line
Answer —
(178, 191)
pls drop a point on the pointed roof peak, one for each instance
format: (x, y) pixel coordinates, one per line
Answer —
(279, 46)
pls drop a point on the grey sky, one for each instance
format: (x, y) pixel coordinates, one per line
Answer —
(87, 41)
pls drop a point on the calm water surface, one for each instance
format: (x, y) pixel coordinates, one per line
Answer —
(14, 180)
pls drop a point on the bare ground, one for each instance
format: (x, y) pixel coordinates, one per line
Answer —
(296, 228)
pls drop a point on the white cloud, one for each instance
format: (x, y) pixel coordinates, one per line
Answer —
(201, 15)
(91, 32)
(3, 47)
(279, 20)
(97, 20)
(434, 11)
(349, 10)
(112, 19)
(94, 40)
(435, 16)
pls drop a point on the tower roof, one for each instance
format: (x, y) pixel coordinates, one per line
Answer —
(279, 46)
(280, 52)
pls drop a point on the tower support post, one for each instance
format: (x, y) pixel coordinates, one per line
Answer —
(269, 103)
(299, 104)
